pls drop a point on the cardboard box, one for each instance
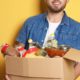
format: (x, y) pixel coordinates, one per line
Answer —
(60, 68)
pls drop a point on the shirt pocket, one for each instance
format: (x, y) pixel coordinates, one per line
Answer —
(69, 36)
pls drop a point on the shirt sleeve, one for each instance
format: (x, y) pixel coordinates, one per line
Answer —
(23, 33)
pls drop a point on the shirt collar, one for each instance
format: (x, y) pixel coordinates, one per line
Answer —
(65, 19)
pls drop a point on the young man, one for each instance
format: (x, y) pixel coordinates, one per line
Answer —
(54, 21)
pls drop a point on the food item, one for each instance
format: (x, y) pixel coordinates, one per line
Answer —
(34, 52)
(32, 55)
(51, 42)
(21, 50)
(55, 52)
(41, 52)
(64, 47)
(30, 51)
(9, 50)
(35, 49)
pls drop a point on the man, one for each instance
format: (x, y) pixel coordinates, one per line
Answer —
(55, 20)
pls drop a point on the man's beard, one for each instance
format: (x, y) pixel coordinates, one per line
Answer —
(56, 9)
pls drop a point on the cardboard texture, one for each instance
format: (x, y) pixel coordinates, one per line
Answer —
(39, 69)
(30, 78)
(57, 68)
(73, 55)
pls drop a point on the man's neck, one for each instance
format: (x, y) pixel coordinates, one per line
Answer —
(55, 17)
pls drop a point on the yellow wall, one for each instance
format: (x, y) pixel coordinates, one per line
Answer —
(12, 15)
(14, 12)
(73, 9)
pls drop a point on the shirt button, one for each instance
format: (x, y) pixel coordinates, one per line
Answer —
(42, 40)
(46, 28)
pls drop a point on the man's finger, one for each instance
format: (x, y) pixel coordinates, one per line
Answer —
(7, 77)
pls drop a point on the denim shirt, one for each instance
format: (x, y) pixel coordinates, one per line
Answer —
(35, 28)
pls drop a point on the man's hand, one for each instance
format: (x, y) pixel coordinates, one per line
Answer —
(7, 77)
(77, 70)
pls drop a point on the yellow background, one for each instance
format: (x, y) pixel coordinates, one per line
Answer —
(14, 12)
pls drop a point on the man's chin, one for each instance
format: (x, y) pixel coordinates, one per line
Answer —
(56, 11)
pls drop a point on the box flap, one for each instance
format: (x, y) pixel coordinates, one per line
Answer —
(73, 54)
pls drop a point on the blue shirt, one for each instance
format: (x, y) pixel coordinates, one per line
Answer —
(35, 28)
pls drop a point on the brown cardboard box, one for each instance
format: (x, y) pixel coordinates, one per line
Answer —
(60, 68)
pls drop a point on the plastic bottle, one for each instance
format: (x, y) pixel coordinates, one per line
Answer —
(51, 42)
